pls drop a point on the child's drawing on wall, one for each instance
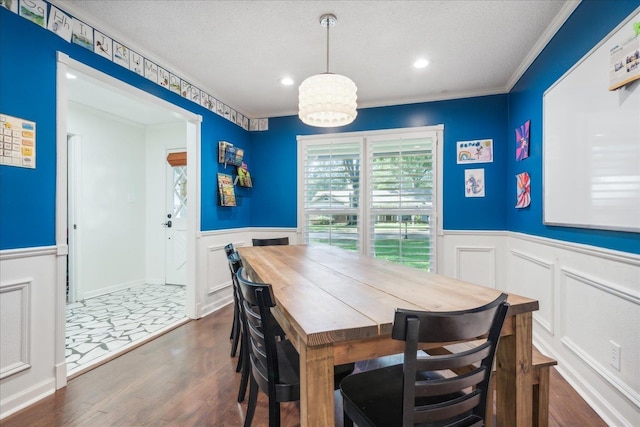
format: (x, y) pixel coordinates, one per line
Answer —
(478, 151)
(522, 141)
(523, 182)
(474, 183)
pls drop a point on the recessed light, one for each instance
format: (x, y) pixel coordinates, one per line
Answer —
(421, 63)
(286, 81)
(71, 76)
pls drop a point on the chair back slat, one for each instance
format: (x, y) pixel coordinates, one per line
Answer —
(428, 398)
(277, 241)
(454, 361)
(453, 408)
(447, 326)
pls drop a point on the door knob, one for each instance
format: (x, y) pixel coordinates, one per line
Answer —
(167, 224)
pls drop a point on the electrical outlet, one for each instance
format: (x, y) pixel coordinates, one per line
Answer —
(615, 355)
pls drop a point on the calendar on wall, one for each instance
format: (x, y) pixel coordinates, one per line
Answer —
(17, 142)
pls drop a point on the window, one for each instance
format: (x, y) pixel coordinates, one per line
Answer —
(374, 193)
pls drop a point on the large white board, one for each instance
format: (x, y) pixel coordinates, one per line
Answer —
(591, 148)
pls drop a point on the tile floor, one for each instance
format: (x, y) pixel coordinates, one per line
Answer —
(99, 326)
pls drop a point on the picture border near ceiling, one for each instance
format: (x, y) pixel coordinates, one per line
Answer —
(75, 31)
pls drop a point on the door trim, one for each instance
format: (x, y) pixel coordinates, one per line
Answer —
(193, 123)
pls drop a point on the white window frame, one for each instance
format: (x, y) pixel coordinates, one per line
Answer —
(437, 132)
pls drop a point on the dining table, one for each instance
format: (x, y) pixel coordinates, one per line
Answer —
(337, 306)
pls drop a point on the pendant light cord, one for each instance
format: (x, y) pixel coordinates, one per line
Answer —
(328, 25)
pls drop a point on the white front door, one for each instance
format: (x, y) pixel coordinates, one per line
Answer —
(176, 226)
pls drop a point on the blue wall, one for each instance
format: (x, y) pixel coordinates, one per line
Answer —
(28, 90)
(474, 118)
(274, 201)
(591, 22)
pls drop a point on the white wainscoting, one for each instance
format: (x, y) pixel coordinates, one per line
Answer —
(588, 297)
(587, 334)
(536, 281)
(214, 278)
(477, 265)
(27, 322)
(475, 257)
(15, 339)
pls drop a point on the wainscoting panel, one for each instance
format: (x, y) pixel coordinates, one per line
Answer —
(476, 265)
(27, 326)
(218, 280)
(213, 278)
(216, 262)
(588, 297)
(594, 314)
(15, 339)
(534, 277)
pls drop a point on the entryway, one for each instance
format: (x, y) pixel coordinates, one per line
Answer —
(127, 216)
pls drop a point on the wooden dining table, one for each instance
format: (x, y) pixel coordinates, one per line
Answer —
(337, 306)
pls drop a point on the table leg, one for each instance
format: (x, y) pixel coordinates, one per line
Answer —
(514, 406)
(316, 386)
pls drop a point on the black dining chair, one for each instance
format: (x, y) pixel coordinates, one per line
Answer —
(229, 249)
(275, 363)
(243, 366)
(235, 326)
(271, 242)
(425, 390)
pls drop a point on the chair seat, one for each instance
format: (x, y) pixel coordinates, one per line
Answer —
(377, 395)
(289, 367)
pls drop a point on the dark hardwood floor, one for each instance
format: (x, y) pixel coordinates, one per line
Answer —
(186, 378)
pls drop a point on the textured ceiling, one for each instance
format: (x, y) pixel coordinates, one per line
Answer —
(238, 50)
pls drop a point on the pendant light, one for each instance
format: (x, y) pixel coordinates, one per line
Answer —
(327, 99)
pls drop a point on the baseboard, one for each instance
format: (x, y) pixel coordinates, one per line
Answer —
(110, 289)
(61, 375)
(26, 398)
(213, 307)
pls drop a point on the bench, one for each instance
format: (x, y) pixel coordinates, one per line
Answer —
(539, 380)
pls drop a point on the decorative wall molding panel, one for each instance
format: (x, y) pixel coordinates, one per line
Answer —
(534, 277)
(594, 313)
(602, 253)
(15, 340)
(9, 254)
(476, 264)
(620, 292)
(217, 262)
(27, 326)
(580, 312)
(632, 395)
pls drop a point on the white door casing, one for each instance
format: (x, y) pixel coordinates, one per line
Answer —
(74, 178)
(193, 122)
